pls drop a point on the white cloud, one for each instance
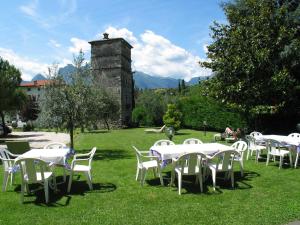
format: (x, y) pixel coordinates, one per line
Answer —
(156, 55)
(79, 44)
(205, 48)
(28, 67)
(65, 9)
(54, 43)
(30, 8)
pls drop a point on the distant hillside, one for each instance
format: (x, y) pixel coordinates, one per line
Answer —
(142, 80)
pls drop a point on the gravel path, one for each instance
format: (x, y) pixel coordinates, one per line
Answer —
(38, 139)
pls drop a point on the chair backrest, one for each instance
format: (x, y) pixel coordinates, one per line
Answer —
(92, 153)
(251, 142)
(240, 146)
(55, 145)
(192, 141)
(163, 142)
(4, 155)
(294, 135)
(29, 168)
(273, 146)
(18, 147)
(138, 155)
(191, 161)
(225, 158)
(255, 133)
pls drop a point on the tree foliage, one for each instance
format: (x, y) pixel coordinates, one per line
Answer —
(77, 102)
(256, 56)
(11, 97)
(172, 118)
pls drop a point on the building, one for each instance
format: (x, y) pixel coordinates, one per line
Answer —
(111, 65)
(34, 89)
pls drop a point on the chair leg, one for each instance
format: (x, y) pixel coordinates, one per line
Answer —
(22, 191)
(296, 161)
(160, 176)
(200, 178)
(70, 181)
(137, 173)
(268, 158)
(88, 175)
(46, 188)
(5, 180)
(12, 178)
(213, 174)
(248, 152)
(179, 183)
(291, 159)
(280, 162)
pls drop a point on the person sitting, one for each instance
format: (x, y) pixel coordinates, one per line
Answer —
(228, 131)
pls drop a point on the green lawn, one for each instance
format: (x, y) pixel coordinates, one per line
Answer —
(266, 195)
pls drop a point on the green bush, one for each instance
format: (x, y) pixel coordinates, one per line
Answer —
(196, 109)
(172, 118)
(29, 126)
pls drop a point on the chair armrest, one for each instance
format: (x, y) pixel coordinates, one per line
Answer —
(145, 152)
(77, 160)
(14, 155)
(81, 155)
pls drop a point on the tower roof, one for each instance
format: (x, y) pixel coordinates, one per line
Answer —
(110, 40)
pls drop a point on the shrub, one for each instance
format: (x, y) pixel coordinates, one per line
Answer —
(197, 108)
(29, 126)
(172, 118)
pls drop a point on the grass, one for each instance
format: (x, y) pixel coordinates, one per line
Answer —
(266, 195)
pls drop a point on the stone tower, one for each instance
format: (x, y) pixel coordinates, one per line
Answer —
(111, 65)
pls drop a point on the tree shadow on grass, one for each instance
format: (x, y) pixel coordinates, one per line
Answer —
(189, 185)
(97, 132)
(182, 133)
(107, 154)
(61, 197)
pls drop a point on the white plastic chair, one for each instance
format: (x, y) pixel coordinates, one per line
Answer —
(8, 160)
(240, 147)
(224, 163)
(143, 166)
(86, 169)
(255, 133)
(35, 171)
(254, 147)
(275, 149)
(188, 164)
(294, 135)
(163, 142)
(55, 145)
(192, 141)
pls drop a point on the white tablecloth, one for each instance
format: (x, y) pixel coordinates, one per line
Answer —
(55, 156)
(281, 138)
(172, 151)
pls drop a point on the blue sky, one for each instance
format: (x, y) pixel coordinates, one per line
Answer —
(168, 36)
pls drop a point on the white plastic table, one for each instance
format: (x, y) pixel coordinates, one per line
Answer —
(55, 156)
(172, 151)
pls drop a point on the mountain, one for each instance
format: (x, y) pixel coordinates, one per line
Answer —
(66, 71)
(38, 77)
(142, 80)
(145, 81)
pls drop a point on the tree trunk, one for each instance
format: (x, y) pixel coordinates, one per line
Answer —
(3, 123)
(71, 130)
(107, 125)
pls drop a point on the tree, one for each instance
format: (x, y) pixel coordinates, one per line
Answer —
(76, 102)
(10, 97)
(256, 56)
(172, 118)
